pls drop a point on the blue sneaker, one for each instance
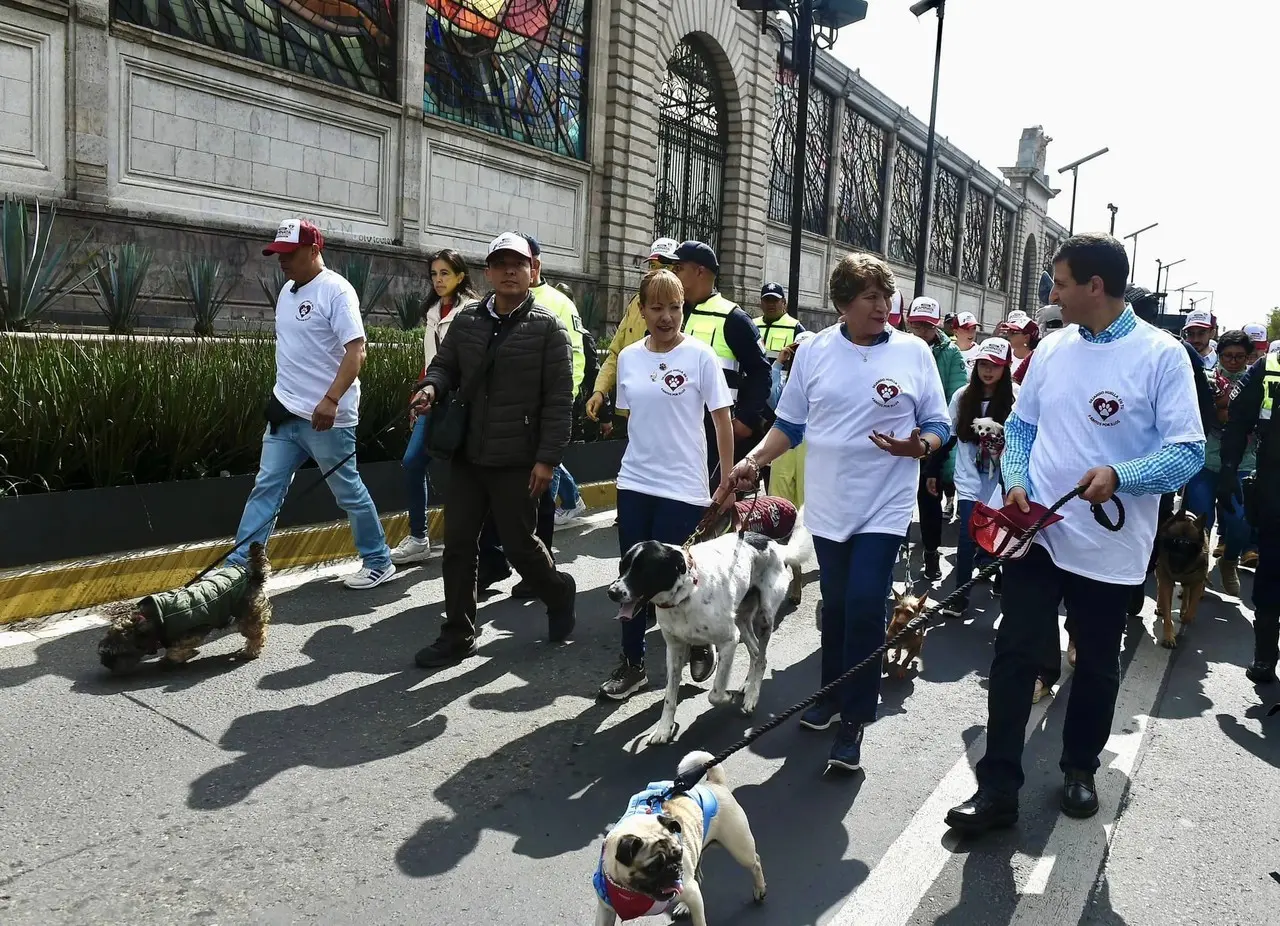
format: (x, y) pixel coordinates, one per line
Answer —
(820, 716)
(846, 752)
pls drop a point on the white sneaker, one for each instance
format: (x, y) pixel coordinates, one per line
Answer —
(369, 578)
(411, 550)
(565, 515)
(948, 509)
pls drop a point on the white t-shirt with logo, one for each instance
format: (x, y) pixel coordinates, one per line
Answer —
(668, 395)
(970, 356)
(1101, 405)
(841, 392)
(313, 328)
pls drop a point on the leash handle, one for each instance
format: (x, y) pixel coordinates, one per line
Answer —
(1100, 515)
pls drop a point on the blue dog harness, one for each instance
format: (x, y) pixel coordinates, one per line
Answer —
(631, 905)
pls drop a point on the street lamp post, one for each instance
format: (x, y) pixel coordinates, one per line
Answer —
(1074, 167)
(1114, 209)
(1133, 266)
(804, 15)
(930, 156)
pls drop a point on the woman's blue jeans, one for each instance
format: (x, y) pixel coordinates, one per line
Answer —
(564, 487)
(855, 577)
(415, 473)
(647, 517)
(1201, 498)
(968, 553)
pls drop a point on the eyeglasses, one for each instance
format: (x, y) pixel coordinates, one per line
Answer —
(1234, 357)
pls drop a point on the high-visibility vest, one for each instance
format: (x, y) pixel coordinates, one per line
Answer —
(776, 334)
(563, 308)
(1270, 386)
(706, 323)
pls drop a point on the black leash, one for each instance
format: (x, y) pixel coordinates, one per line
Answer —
(684, 783)
(279, 508)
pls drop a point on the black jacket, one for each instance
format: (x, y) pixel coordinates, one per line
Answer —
(1243, 420)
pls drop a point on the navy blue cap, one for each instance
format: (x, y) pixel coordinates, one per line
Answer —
(534, 247)
(695, 252)
(773, 291)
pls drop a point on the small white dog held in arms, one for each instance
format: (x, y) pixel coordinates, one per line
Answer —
(720, 591)
(650, 858)
(990, 443)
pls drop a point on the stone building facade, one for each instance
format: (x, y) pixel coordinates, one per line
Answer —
(401, 126)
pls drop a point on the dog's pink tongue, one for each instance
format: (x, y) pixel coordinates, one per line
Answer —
(627, 611)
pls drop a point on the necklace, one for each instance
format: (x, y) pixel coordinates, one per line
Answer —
(861, 352)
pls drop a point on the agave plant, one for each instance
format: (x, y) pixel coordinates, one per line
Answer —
(35, 274)
(116, 285)
(207, 284)
(369, 288)
(271, 286)
(408, 308)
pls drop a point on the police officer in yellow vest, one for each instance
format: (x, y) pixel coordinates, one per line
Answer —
(1255, 410)
(777, 328)
(713, 319)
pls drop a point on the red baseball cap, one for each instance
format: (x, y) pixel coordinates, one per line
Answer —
(293, 234)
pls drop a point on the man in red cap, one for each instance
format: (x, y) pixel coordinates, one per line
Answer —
(315, 404)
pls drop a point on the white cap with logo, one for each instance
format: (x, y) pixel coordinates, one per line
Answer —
(966, 320)
(996, 350)
(664, 249)
(924, 309)
(1018, 320)
(1200, 318)
(1257, 334)
(511, 241)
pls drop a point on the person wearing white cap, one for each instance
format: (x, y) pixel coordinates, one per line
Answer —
(924, 320)
(662, 253)
(314, 406)
(1023, 334)
(1258, 335)
(1197, 331)
(966, 338)
(507, 364)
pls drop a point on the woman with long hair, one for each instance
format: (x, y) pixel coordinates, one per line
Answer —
(450, 289)
(989, 394)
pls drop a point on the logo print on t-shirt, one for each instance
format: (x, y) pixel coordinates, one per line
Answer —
(674, 382)
(887, 392)
(1104, 408)
(304, 310)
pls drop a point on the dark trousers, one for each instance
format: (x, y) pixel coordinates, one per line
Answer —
(1266, 593)
(855, 578)
(1033, 589)
(647, 517)
(474, 492)
(492, 558)
(930, 514)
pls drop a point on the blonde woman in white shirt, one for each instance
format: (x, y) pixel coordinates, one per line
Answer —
(868, 402)
(666, 383)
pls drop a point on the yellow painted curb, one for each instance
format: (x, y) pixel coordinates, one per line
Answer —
(69, 586)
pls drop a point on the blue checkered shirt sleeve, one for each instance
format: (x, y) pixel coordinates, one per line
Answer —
(1016, 459)
(1167, 470)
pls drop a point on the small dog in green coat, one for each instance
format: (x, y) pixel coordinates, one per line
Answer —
(180, 619)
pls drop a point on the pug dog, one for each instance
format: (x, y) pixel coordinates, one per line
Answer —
(650, 860)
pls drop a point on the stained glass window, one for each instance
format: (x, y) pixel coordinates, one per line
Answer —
(975, 235)
(858, 213)
(943, 235)
(1001, 229)
(351, 43)
(817, 149)
(908, 196)
(516, 68)
(691, 148)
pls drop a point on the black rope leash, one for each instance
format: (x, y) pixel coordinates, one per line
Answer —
(684, 783)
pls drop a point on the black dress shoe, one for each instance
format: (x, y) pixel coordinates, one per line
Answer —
(1079, 795)
(1261, 673)
(442, 653)
(982, 812)
(486, 577)
(932, 566)
(701, 663)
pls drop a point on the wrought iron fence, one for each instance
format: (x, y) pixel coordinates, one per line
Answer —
(908, 197)
(1001, 230)
(817, 153)
(859, 210)
(691, 149)
(943, 235)
(975, 235)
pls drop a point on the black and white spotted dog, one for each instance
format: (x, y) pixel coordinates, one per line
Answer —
(724, 590)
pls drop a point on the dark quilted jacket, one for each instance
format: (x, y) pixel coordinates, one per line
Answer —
(523, 413)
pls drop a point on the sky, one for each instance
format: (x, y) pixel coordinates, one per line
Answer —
(1183, 93)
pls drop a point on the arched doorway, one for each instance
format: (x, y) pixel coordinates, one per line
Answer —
(1030, 279)
(692, 143)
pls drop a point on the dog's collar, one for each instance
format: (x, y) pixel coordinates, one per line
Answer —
(693, 574)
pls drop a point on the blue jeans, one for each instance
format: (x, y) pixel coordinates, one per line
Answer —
(855, 578)
(415, 470)
(968, 553)
(647, 517)
(563, 479)
(1200, 495)
(282, 454)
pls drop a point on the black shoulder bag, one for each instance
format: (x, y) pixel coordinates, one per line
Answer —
(447, 425)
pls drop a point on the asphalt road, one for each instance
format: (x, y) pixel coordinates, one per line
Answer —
(332, 782)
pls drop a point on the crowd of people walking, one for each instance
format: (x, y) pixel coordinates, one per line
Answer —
(895, 413)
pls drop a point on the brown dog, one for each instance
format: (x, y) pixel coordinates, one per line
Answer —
(1182, 559)
(905, 609)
